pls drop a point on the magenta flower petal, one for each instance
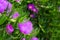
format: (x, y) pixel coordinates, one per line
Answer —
(15, 15)
(23, 39)
(32, 8)
(35, 10)
(9, 28)
(26, 27)
(3, 5)
(9, 5)
(34, 38)
(2, 1)
(5, 0)
(1, 8)
(32, 15)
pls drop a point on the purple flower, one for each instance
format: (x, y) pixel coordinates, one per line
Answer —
(32, 15)
(34, 38)
(17, 0)
(32, 8)
(25, 27)
(9, 28)
(15, 15)
(9, 7)
(3, 5)
(23, 38)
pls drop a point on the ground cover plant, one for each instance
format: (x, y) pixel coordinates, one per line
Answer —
(30, 20)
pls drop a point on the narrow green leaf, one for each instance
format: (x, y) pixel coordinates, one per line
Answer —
(3, 18)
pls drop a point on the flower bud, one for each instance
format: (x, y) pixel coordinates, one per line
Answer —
(9, 28)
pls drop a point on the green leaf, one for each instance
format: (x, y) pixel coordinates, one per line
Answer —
(21, 19)
(3, 18)
(34, 32)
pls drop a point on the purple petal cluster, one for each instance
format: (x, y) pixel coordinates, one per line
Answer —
(3, 5)
(15, 15)
(25, 27)
(32, 7)
(34, 38)
(9, 28)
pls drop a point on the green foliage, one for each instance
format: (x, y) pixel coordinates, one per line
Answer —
(46, 23)
(3, 18)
